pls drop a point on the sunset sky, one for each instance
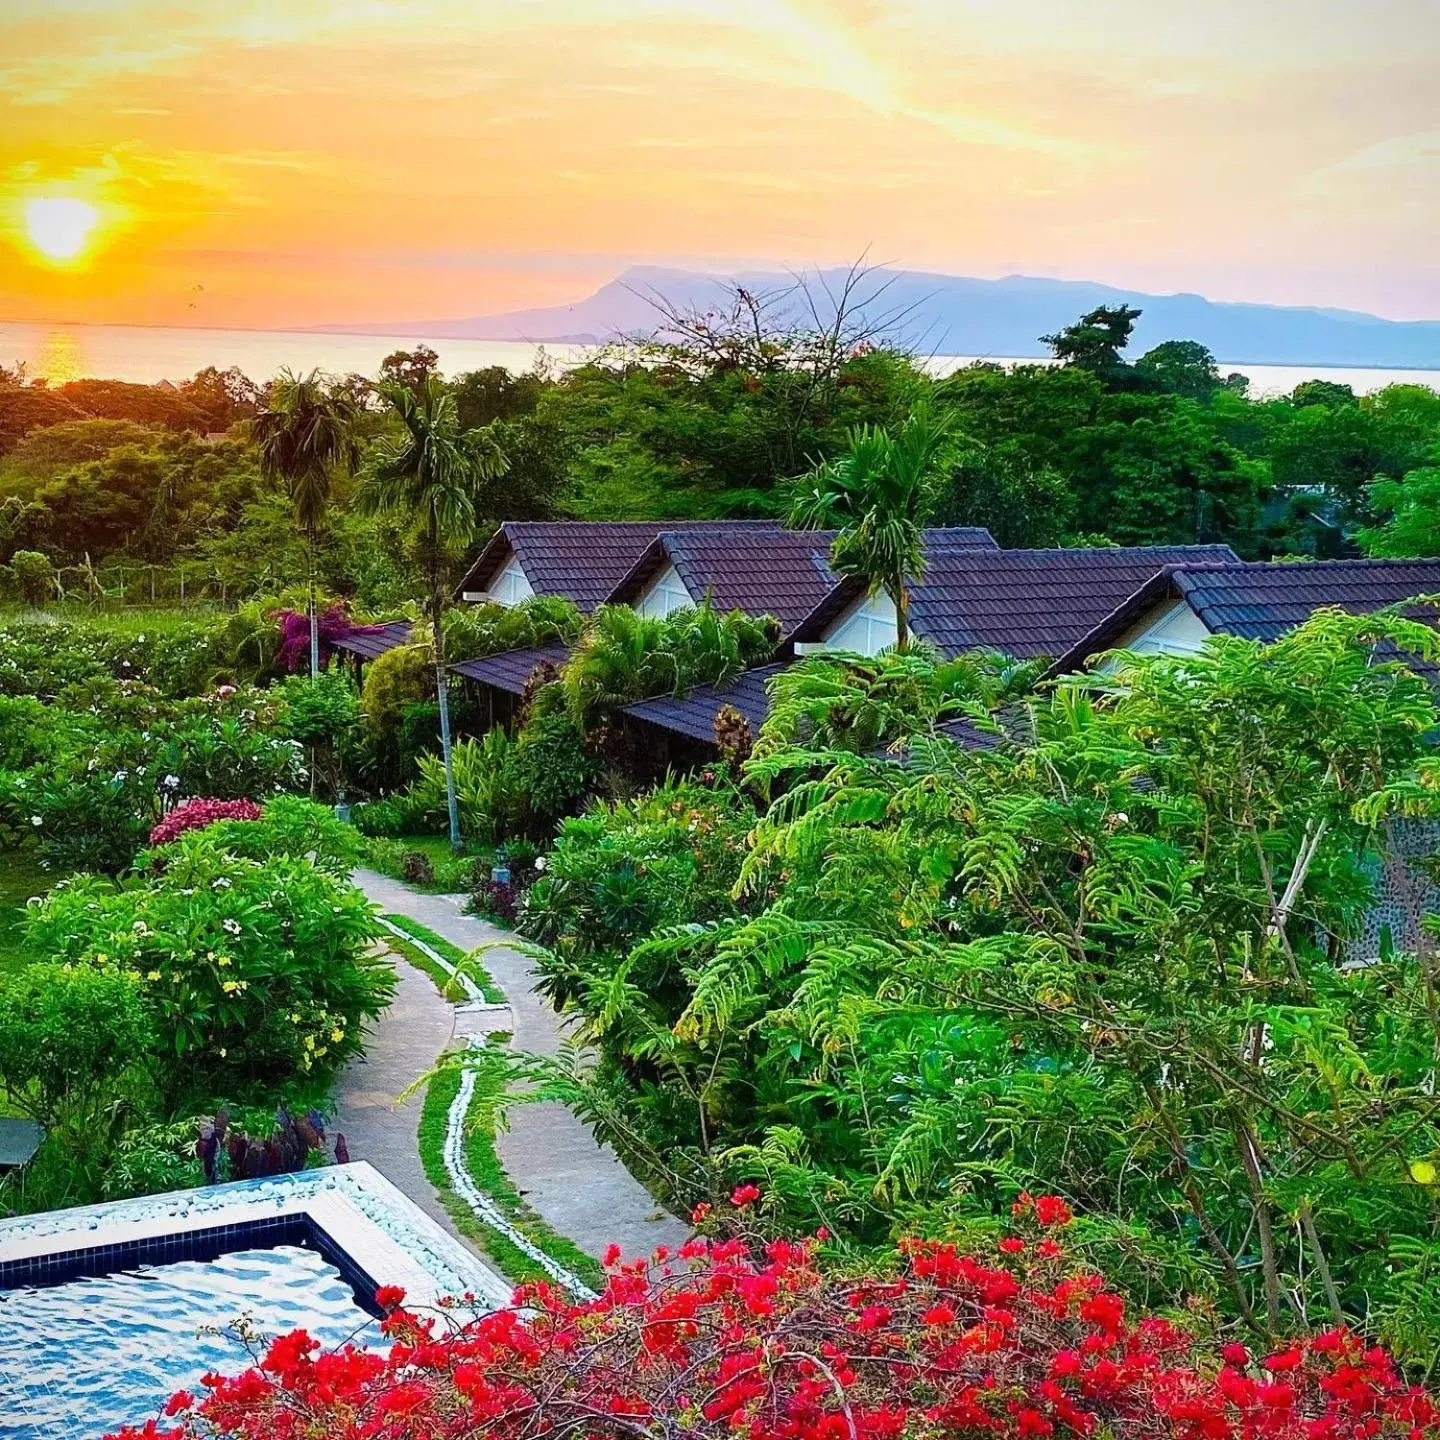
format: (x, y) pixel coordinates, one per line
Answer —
(311, 161)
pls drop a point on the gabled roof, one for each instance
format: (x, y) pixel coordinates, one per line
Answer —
(578, 560)
(1023, 602)
(776, 572)
(1261, 600)
(369, 646)
(510, 669)
(694, 713)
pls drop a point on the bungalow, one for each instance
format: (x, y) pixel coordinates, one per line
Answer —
(1025, 603)
(371, 642)
(784, 573)
(1175, 611)
(580, 561)
(752, 565)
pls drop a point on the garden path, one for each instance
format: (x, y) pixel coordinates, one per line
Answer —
(576, 1184)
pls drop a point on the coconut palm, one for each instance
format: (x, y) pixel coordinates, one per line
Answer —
(432, 473)
(306, 434)
(878, 495)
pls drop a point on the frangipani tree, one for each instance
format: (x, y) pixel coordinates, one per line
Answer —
(433, 472)
(306, 433)
(878, 495)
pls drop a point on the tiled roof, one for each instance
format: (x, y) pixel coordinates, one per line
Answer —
(368, 647)
(762, 572)
(1261, 600)
(693, 714)
(1023, 602)
(581, 561)
(510, 669)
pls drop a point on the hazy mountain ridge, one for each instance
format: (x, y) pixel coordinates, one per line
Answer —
(960, 315)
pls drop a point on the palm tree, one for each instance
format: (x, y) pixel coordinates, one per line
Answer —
(878, 495)
(306, 432)
(431, 472)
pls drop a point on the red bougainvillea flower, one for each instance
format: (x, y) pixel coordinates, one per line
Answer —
(197, 814)
(390, 1297)
(740, 1338)
(744, 1195)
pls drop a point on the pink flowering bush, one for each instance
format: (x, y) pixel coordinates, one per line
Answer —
(736, 1338)
(197, 814)
(293, 653)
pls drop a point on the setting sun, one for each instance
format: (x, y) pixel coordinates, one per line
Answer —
(58, 227)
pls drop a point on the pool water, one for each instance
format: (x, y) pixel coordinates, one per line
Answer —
(81, 1358)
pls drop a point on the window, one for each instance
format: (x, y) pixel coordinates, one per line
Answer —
(664, 595)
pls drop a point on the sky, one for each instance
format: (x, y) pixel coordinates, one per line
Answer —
(314, 162)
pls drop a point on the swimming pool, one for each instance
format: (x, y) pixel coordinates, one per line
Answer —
(84, 1357)
(101, 1305)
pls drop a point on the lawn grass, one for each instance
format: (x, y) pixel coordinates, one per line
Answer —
(483, 1164)
(20, 878)
(444, 982)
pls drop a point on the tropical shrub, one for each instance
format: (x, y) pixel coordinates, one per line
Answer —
(322, 714)
(487, 786)
(255, 971)
(394, 682)
(287, 825)
(496, 899)
(552, 769)
(229, 758)
(67, 1036)
(731, 1338)
(623, 656)
(475, 631)
(34, 576)
(623, 869)
(81, 818)
(197, 814)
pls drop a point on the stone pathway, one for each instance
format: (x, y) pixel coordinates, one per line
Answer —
(578, 1186)
(418, 1026)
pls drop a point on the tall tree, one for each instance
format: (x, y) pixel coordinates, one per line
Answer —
(878, 495)
(432, 472)
(306, 433)
(1096, 341)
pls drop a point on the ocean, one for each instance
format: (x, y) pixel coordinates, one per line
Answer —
(148, 354)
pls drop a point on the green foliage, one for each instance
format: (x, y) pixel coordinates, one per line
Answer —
(858, 703)
(1411, 508)
(475, 631)
(1100, 957)
(487, 787)
(34, 576)
(255, 971)
(67, 1036)
(624, 656)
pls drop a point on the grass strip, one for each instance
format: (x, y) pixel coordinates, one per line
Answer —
(483, 1163)
(444, 982)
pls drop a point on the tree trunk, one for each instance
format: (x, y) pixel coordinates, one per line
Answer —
(901, 596)
(437, 609)
(314, 612)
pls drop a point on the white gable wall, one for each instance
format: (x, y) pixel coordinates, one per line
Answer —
(509, 587)
(866, 627)
(1171, 628)
(664, 595)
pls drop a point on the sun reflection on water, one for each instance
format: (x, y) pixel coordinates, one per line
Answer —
(60, 357)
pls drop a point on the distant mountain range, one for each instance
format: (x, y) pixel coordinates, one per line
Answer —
(957, 315)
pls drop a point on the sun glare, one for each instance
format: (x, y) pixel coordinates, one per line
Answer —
(59, 228)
